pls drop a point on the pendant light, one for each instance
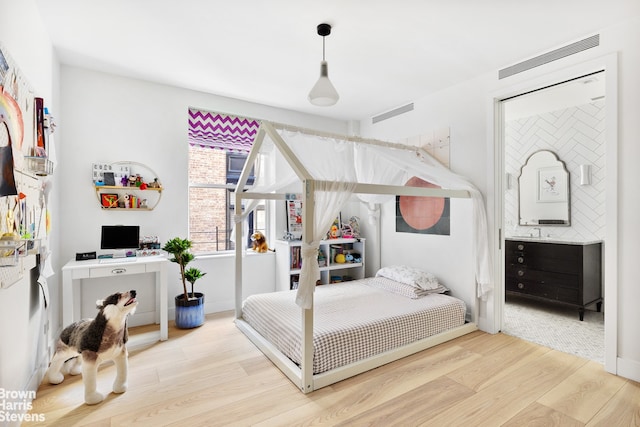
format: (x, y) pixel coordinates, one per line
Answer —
(323, 93)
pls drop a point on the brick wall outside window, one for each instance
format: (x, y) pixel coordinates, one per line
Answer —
(208, 206)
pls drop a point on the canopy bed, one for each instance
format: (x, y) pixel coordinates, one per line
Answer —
(324, 171)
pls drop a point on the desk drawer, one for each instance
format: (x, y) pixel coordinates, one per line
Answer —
(117, 270)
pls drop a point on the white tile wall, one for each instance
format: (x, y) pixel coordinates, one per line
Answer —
(576, 135)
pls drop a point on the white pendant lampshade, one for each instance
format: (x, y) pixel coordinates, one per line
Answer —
(323, 93)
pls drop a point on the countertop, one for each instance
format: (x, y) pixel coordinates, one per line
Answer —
(558, 240)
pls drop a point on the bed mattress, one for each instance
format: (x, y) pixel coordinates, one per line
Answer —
(352, 320)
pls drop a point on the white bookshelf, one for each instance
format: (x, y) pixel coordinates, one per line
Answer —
(288, 265)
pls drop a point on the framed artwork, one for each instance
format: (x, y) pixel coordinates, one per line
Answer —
(109, 200)
(423, 215)
(552, 185)
(294, 218)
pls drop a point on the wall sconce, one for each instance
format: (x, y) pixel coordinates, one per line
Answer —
(508, 181)
(585, 174)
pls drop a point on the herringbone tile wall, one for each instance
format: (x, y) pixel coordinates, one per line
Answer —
(576, 135)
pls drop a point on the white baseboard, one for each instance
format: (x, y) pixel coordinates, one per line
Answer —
(629, 369)
(139, 319)
(149, 317)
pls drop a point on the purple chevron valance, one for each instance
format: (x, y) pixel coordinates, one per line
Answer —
(221, 131)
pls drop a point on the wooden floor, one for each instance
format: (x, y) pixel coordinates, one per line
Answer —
(213, 376)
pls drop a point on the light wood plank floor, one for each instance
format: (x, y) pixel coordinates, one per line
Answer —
(213, 376)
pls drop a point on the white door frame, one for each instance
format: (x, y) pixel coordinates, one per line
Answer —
(539, 78)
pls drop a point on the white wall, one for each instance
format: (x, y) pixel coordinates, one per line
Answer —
(467, 109)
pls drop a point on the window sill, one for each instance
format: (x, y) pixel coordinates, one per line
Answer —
(230, 254)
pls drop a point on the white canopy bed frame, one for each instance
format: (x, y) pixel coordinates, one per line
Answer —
(303, 375)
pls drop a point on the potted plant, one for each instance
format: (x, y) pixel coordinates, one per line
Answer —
(189, 306)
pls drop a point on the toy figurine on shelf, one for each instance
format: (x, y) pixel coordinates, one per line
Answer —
(132, 181)
(322, 260)
(354, 223)
(155, 183)
(124, 181)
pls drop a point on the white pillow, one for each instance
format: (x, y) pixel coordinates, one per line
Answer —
(403, 289)
(410, 276)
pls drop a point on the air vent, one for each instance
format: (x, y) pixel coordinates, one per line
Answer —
(554, 55)
(392, 113)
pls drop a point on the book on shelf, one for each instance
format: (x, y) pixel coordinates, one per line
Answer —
(296, 257)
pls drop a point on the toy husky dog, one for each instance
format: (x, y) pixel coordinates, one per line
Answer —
(85, 344)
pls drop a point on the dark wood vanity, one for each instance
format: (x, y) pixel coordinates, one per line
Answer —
(560, 273)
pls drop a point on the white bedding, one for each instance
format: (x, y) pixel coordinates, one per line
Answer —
(352, 320)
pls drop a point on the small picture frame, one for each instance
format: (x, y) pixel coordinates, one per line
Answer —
(552, 185)
(294, 218)
(109, 200)
(109, 179)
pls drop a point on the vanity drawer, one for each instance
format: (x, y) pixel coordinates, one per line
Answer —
(531, 288)
(543, 290)
(545, 277)
(119, 270)
(545, 256)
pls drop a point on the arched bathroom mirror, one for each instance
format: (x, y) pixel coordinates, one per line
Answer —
(543, 191)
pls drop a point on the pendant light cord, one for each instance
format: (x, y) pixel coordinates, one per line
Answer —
(323, 48)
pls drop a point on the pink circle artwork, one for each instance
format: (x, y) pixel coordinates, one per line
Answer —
(419, 212)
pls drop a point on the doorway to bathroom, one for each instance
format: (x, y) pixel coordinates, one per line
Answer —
(567, 120)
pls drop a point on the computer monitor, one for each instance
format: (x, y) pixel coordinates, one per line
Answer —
(120, 237)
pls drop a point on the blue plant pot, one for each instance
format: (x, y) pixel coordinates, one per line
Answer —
(189, 313)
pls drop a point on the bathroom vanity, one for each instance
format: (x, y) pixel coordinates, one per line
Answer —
(568, 273)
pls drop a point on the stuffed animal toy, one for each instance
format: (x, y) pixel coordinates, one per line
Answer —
(85, 344)
(259, 243)
(346, 232)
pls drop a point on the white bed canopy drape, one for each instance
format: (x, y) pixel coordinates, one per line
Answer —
(328, 169)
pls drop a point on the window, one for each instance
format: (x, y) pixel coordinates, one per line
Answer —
(217, 154)
(213, 175)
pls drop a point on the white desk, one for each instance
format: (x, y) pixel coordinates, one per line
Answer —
(74, 273)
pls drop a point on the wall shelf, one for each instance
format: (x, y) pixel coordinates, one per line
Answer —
(41, 166)
(144, 196)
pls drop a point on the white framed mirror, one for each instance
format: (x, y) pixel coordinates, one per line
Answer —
(544, 191)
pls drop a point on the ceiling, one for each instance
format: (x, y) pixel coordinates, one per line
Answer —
(381, 54)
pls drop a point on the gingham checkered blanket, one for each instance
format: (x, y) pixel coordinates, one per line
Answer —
(352, 320)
